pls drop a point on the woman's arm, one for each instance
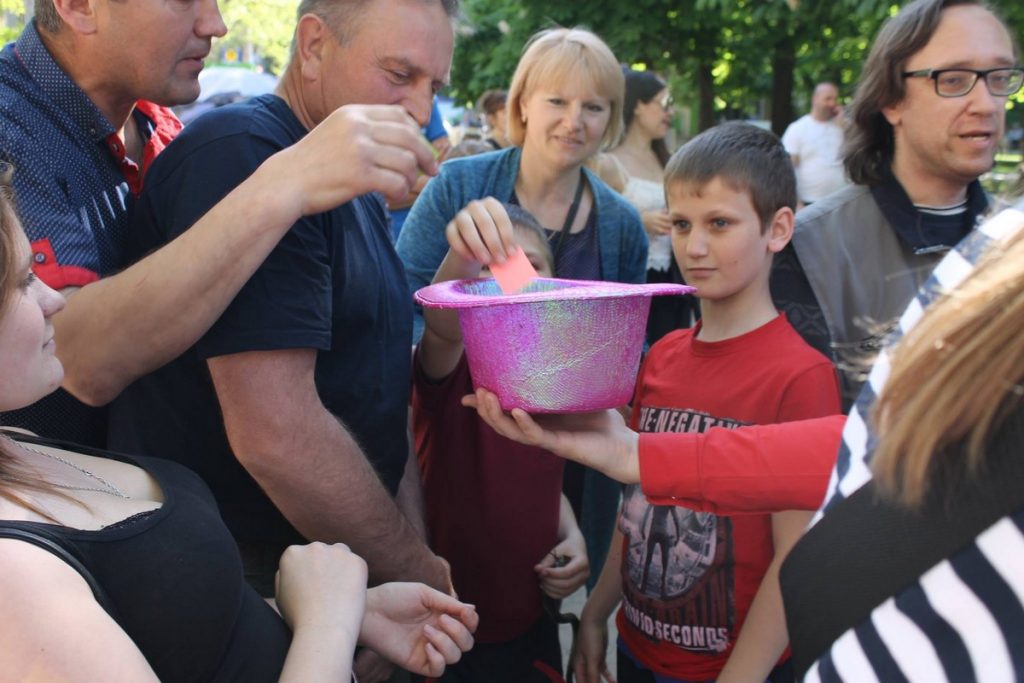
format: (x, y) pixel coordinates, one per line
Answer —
(322, 596)
(764, 637)
(52, 628)
(725, 471)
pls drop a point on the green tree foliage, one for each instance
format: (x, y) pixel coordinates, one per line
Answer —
(724, 58)
(12, 19)
(260, 27)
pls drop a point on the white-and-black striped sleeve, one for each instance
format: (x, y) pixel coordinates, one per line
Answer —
(963, 621)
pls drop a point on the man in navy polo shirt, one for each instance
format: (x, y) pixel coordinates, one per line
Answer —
(83, 93)
(293, 406)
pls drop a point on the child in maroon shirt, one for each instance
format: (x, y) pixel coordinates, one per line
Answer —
(494, 508)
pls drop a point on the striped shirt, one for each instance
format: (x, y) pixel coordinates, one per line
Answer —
(962, 620)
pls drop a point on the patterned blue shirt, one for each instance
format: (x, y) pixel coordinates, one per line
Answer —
(71, 179)
(75, 191)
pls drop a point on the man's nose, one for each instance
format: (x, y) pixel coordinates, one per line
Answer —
(420, 104)
(210, 22)
(982, 100)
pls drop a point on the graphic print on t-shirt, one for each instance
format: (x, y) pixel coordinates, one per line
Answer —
(678, 564)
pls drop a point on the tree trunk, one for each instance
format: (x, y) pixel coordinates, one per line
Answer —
(706, 88)
(783, 65)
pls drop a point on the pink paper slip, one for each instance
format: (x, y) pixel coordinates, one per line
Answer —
(515, 273)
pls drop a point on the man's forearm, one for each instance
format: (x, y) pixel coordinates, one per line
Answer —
(410, 493)
(318, 477)
(118, 329)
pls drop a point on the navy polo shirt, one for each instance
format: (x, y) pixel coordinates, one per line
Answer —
(334, 284)
(75, 192)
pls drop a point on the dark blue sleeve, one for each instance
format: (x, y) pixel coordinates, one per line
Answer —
(435, 126)
(287, 302)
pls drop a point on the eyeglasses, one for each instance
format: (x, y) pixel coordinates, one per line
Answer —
(666, 102)
(958, 82)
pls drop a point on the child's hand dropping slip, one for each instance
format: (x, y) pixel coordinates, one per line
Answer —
(483, 232)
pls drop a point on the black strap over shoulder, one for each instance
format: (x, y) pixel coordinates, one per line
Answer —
(868, 549)
(51, 544)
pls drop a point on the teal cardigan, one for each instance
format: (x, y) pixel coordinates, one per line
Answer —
(422, 244)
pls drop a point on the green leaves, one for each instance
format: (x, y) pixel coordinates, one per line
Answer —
(740, 43)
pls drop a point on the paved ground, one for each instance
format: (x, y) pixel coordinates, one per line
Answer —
(574, 604)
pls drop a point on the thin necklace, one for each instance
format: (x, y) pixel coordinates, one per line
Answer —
(109, 487)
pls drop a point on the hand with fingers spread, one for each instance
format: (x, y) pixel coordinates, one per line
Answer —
(482, 232)
(417, 627)
(599, 440)
(356, 150)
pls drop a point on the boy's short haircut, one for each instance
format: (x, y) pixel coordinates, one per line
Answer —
(744, 156)
(523, 220)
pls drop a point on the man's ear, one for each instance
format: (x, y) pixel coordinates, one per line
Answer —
(780, 230)
(311, 39)
(78, 15)
(893, 113)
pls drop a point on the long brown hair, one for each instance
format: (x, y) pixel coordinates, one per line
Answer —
(954, 377)
(643, 86)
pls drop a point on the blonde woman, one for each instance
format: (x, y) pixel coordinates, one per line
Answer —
(564, 104)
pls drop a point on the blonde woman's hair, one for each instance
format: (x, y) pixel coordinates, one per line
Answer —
(954, 379)
(558, 56)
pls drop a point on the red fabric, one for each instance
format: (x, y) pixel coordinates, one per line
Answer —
(56, 276)
(491, 505)
(736, 471)
(689, 577)
(166, 127)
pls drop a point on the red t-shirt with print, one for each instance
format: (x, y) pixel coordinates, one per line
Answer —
(689, 577)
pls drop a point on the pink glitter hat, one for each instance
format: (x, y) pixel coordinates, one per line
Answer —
(559, 346)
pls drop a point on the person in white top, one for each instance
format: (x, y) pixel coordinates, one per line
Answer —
(814, 142)
(642, 154)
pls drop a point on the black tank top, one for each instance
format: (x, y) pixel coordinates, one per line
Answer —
(174, 579)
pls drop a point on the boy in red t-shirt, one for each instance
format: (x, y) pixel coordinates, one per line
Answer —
(494, 508)
(699, 592)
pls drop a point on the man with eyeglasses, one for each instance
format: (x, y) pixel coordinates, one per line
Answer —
(814, 142)
(924, 124)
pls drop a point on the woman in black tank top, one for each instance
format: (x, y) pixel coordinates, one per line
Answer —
(117, 568)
